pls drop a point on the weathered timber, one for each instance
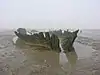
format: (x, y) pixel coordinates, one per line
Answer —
(47, 36)
(55, 42)
(21, 31)
(51, 39)
(67, 42)
(39, 40)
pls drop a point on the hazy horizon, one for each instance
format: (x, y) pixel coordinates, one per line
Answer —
(41, 14)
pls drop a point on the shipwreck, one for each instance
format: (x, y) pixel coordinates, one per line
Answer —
(50, 40)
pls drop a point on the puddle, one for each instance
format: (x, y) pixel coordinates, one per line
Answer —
(83, 51)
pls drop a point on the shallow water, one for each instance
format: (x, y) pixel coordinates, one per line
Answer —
(91, 33)
(59, 62)
(28, 61)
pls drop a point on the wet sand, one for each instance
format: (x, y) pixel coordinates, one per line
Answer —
(27, 61)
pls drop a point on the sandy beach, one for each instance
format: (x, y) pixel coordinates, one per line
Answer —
(27, 61)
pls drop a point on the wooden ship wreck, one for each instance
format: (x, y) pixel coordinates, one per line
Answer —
(50, 40)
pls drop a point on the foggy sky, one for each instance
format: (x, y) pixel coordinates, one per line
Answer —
(50, 13)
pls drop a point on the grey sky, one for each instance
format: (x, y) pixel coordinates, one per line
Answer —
(50, 13)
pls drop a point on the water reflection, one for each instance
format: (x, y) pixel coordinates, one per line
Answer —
(68, 60)
(60, 63)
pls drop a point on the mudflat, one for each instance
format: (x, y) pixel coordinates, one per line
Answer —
(28, 61)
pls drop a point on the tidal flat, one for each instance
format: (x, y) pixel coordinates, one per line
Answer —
(28, 61)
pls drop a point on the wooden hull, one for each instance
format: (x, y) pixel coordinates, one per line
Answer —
(24, 37)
